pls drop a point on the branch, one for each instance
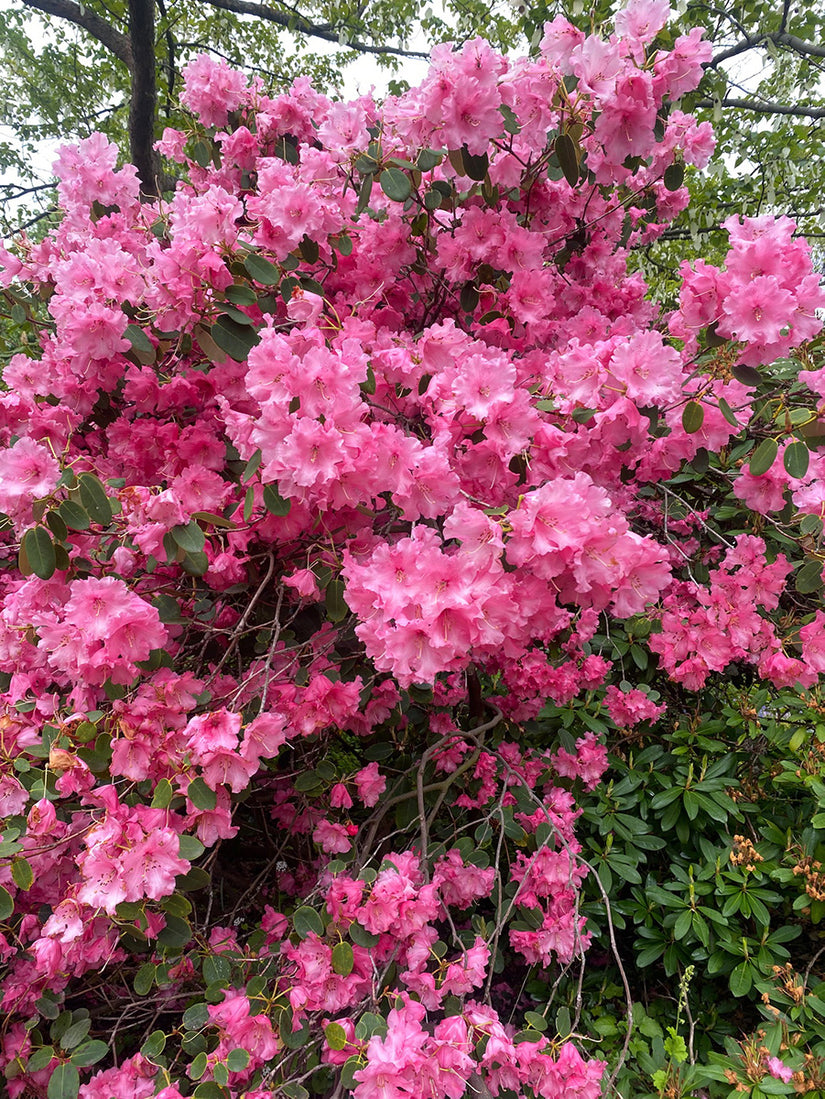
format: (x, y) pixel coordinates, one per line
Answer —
(764, 108)
(778, 38)
(299, 25)
(115, 42)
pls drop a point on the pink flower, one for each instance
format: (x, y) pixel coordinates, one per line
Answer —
(331, 837)
(28, 472)
(370, 784)
(779, 1069)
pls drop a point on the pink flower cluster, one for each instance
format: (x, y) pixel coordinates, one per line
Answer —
(323, 478)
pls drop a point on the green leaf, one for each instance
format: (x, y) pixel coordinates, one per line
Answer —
(342, 243)
(163, 794)
(64, 1082)
(6, 903)
(237, 340)
(741, 979)
(177, 932)
(154, 1045)
(40, 1059)
(196, 1017)
(144, 979)
(565, 149)
(74, 516)
(75, 1033)
(306, 920)
(474, 165)
(428, 159)
(796, 459)
(262, 270)
(728, 413)
(190, 538)
(342, 959)
(274, 502)
(241, 294)
(351, 1066)
(335, 1035)
(809, 577)
(747, 375)
(536, 1021)
(337, 609)
(94, 499)
(216, 968)
(190, 847)
(138, 339)
(361, 937)
(237, 1060)
(693, 416)
(209, 1089)
(38, 547)
(22, 874)
(395, 184)
(201, 795)
(674, 176)
(763, 457)
(57, 526)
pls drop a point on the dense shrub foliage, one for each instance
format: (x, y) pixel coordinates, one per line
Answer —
(354, 491)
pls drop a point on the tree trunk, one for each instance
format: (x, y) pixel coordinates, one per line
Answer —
(143, 104)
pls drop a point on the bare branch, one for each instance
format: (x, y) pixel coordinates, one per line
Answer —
(115, 42)
(777, 38)
(300, 25)
(764, 108)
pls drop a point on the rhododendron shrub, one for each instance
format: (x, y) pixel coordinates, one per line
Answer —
(323, 475)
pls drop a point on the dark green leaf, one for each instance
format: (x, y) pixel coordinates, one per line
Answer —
(190, 537)
(809, 577)
(474, 165)
(154, 1045)
(64, 1082)
(674, 176)
(428, 159)
(237, 340)
(747, 375)
(94, 499)
(177, 932)
(241, 294)
(163, 794)
(337, 609)
(395, 184)
(262, 270)
(138, 339)
(763, 457)
(741, 979)
(693, 416)
(57, 526)
(342, 243)
(360, 936)
(796, 459)
(306, 920)
(237, 1060)
(38, 547)
(190, 847)
(144, 979)
(565, 149)
(74, 516)
(727, 412)
(201, 795)
(274, 502)
(196, 1017)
